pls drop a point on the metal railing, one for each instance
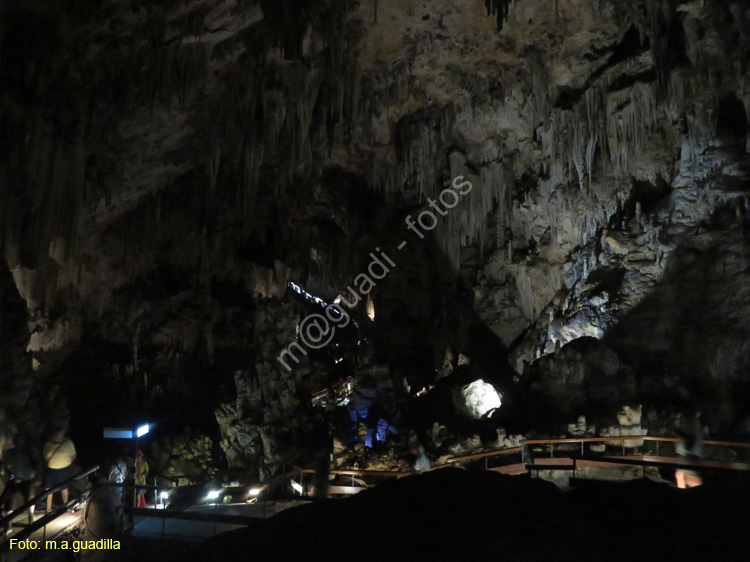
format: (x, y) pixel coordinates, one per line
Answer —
(644, 461)
(622, 439)
(179, 515)
(42, 522)
(618, 440)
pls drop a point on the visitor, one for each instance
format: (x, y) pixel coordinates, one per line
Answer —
(422, 464)
(59, 454)
(141, 472)
(23, 469)
(322, 447)
(118, 471)
(690, 449)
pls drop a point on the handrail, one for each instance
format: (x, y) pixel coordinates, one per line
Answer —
(524, 442)
(13, 514)
(508, 451)
(726, 443)
(356, 472)
(48, 517)
(41, 522)
(190, 515)
(134, 486)
(555, 440)
(647, 460)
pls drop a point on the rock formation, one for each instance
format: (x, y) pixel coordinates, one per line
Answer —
(167, 167)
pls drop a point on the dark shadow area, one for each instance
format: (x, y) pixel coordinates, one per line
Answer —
(731, 123)
(451, 514)
(584, 376)
(688, 340)
(649, 195)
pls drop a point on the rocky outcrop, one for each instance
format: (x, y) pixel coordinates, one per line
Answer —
(270, 423)
(183, 459)
(584, 375)
(19, 406)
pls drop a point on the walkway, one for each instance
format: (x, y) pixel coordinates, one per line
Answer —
(52, 530)
(570, 456)
(198, 523)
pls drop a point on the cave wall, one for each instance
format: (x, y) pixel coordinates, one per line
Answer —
(19, 411)
(166, 168)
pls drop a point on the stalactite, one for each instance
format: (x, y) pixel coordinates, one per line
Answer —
(577, 152)
(500, 9)
(179, 71)
(590, 151)
(630, 125)
(213, 162)
(539, 87)
(527, 295)
(661, 16)
(252, 160)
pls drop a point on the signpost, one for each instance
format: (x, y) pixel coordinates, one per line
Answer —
(117, 433)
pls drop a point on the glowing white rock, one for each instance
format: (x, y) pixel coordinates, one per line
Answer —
(481, 398)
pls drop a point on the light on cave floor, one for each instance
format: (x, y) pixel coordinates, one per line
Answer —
(481, 398)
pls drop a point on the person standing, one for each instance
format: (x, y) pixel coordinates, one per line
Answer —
(59, 454)
(23, 467)
(690, 449)
(118, 470)
(141, 472)
(422, 464)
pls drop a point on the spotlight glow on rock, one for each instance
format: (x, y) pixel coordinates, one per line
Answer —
(481, 398)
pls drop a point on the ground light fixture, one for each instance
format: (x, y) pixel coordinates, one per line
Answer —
(164, 496)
